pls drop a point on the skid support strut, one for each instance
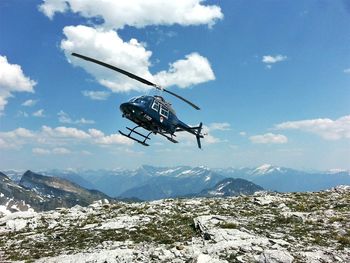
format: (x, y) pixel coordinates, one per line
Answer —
(143, 142)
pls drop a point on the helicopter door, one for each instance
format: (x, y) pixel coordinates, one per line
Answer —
(164, 111)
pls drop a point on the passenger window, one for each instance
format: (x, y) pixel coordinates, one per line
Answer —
(164, 112)
(155, 105)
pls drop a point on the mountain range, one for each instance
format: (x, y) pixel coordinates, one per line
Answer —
(283, 179)
(42, 192)
(149, 182)
(152, 183)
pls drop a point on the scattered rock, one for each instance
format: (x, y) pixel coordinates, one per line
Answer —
(266, 227)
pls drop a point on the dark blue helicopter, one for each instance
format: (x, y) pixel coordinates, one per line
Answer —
(152, 113)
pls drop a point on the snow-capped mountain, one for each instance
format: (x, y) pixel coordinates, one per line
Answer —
(267, 169)
(231, 187)
(288, 180)
(173, 182)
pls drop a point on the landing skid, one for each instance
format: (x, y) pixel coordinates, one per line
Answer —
(143, 142)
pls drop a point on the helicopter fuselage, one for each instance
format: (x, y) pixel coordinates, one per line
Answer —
(152, 113)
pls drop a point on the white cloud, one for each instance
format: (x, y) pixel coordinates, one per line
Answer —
(12, 79)
(50, 7)
(65, 118)
(273, 59)
(96, 133)
(58, 137)
(137, 13)
(347, 71)
(39, 113)
(107, 46)
(113, 139)
(40, 151)
(58, 151)
(84, 121)
(18, 133)
(268, 138)
(61, 151)
(65, 132)
(194, 69)
(243, 134)
(326, 128)
(220, 126)
(96, 95)
(29, 103)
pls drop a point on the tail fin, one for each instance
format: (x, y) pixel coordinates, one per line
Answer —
(199, 135)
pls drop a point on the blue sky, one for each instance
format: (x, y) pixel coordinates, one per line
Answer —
(272, 79)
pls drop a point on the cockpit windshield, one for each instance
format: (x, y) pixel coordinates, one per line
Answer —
(141, 100)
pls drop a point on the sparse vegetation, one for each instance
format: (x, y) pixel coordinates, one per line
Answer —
(304, 220)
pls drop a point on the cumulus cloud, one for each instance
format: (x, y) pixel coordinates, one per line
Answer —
(269, 138)
(39, 113)
(29, 103)
(12, 79)
(40, 151)
(18, 133)
(273, 59)
(64, 132)
(220, 126)
(61, 151)
(96, 95)
(137, 13)
(58, 151)
(326, 128)
(65, 118)
(58, 137)
(107, 46)
(194, 69)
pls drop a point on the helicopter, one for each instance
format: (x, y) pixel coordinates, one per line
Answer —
(152, 113)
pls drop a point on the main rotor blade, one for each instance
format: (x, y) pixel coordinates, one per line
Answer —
(183, 99)
(130, 75)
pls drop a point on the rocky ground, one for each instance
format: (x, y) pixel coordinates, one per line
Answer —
(265, 227)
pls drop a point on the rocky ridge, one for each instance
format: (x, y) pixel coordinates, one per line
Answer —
(264, 227)
(38, 192)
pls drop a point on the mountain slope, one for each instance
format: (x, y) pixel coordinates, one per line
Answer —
(231, 187)
(16, 198)
(59, 191)
(179, 182)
